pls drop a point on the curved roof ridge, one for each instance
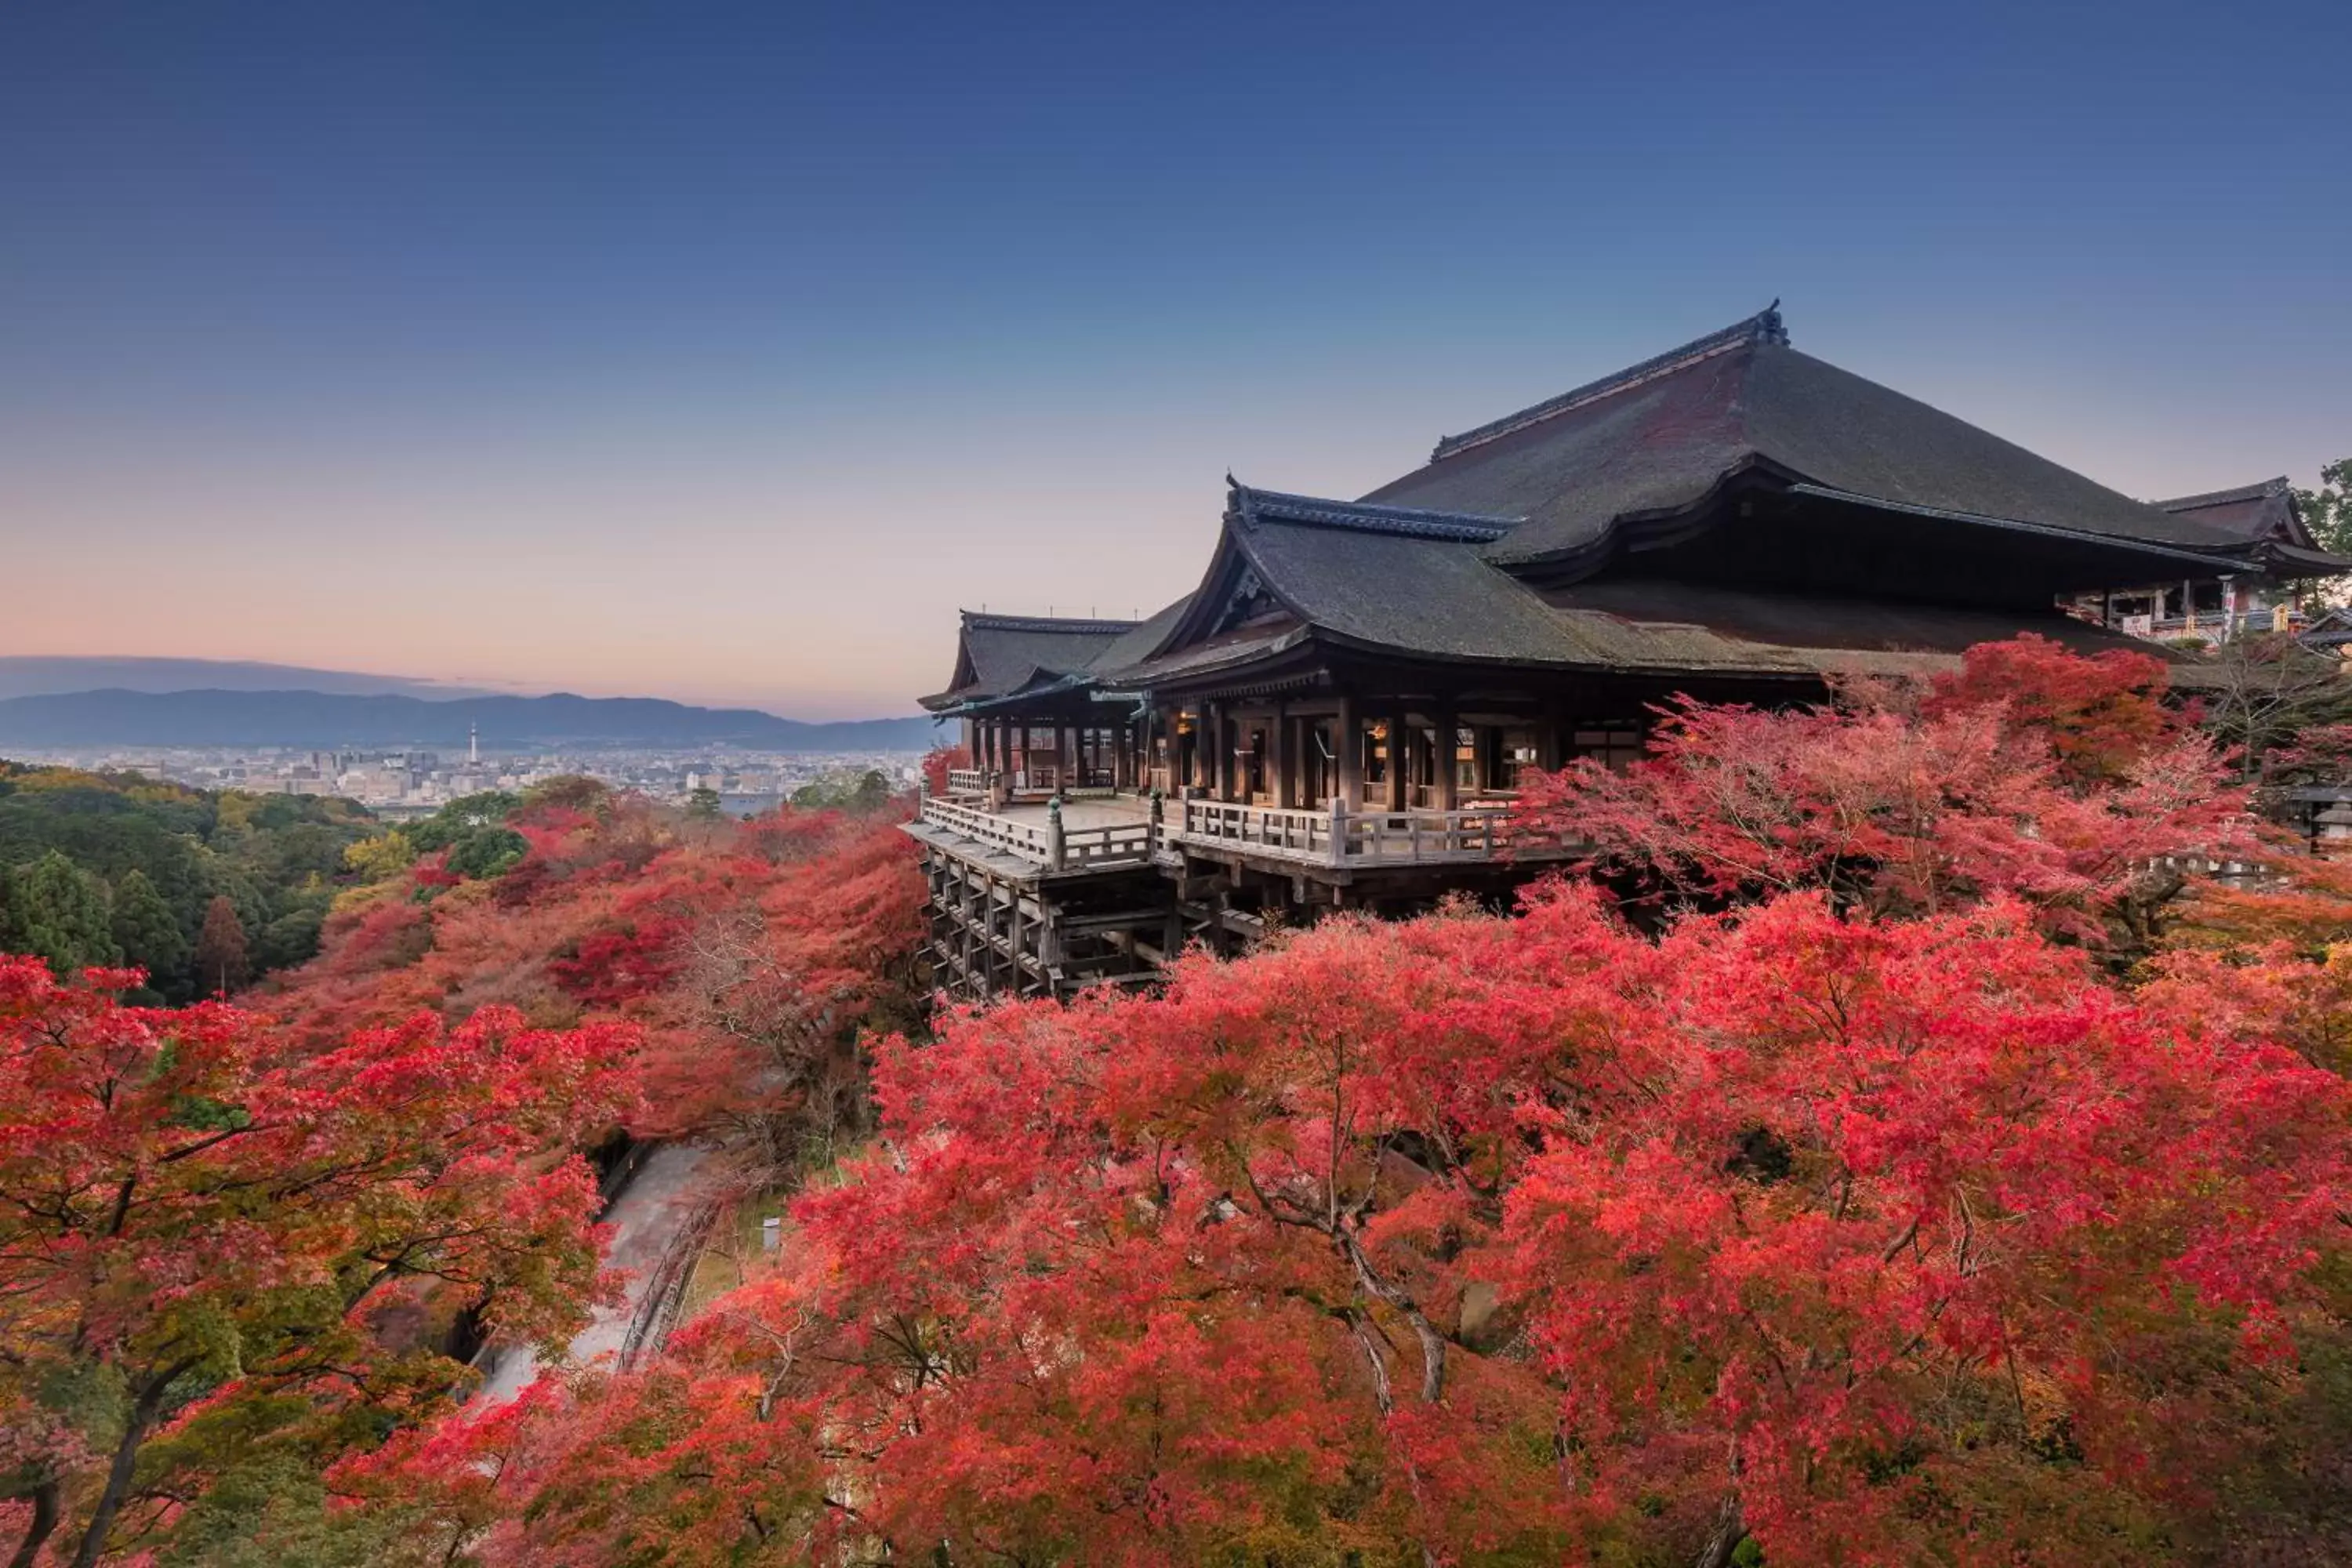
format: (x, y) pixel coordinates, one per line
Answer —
(2255, 491)
(984, 621)
(1253, 506)
(1764, 327)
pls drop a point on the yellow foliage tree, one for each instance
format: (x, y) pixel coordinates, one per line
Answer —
(378, 859)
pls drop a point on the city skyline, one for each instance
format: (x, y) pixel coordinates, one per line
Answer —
(515, 352)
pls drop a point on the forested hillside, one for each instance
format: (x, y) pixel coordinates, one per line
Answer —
(240, 1243)
(1891, 1145)
(116, 868)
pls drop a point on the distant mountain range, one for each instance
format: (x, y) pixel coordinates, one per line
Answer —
(328, 719)
(41, 674)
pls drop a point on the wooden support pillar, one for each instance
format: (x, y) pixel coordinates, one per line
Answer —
(1350, 792)
(1549, 741)
(1448, 795)
(1283, 762)
(1399, 758)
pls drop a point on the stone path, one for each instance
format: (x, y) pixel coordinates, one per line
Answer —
(646, 1220)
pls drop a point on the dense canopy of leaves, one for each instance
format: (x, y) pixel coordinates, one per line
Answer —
(195, 1225)
(1903, 1150)
(2035, 772)
(1497, 1240)
(275, 857)
(345, 1194)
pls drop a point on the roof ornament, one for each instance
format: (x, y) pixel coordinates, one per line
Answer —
(1769, 327)
(1240, 500)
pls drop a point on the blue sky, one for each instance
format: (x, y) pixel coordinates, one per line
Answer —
(721, 350)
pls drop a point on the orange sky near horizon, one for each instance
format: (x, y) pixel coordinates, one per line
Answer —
(821, 580)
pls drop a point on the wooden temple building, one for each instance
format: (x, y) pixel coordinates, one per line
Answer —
(2218, 605)
(1339, 714)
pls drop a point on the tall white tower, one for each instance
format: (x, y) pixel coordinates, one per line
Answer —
(473, 744)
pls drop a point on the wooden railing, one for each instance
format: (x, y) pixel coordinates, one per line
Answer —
(1333, 838)
(1337, 837)
(967, 781)
(1048, 844)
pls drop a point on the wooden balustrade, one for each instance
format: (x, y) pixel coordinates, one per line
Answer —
(967, 781)
(1332, 839)
(1048, 844)
(1337, 837)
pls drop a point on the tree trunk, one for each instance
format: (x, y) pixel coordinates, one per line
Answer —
(45, 1519)
(126, 1458)
(1432, 1343)
(1725, 1538)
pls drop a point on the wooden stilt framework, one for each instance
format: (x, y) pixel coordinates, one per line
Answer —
(998, 933)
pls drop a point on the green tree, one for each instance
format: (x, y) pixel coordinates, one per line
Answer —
(147, 934)
(461, 817)
(845, 791)
(222, 964)
(702, 803)
(273, 856)
(2328, 511)
(291, 938)
(486, 852)
(58, 911)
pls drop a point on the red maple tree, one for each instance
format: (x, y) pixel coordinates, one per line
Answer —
(189, 1206)
(1474, 1239)
(2034, 771)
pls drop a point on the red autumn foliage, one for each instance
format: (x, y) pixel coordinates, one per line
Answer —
(741, 950)
(2100, 714)
(2035, 772)
(186, 1200)
(310, 1199)
(1854, 1221)
(936, 763)
(1497, 1240)
(624, 962)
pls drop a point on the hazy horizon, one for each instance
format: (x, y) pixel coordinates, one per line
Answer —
(724, 358)
(148, 676)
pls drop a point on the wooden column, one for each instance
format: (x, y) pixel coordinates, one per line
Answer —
(1447, 793)
(1399, 758)
(1283, 764)
(1350, 747)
